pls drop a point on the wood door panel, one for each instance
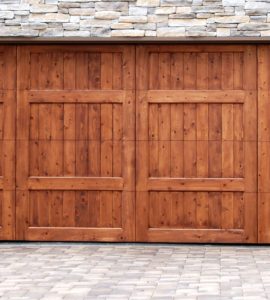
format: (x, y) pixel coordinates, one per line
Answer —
(76, 136)
(263, 144)
(196, 144)
(7, 141)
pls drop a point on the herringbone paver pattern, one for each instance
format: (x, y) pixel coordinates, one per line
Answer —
(60, 271)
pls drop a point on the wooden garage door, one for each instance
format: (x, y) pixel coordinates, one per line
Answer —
(7, 141)
(75, 143)
(196, 144)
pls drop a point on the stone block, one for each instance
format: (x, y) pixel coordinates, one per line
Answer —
(128, 33)
(165, 10)
(229, 19)
(148, 3)
(107, 15)
(137, 11)
(81, 33)
(171, 32)
(122, 26)
(186, 22)
(43, 8)
(133, 19)
(113, 6)
(6, 14)
(49, 17)
(81, 11)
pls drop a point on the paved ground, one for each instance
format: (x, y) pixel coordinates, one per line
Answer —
(117, 271)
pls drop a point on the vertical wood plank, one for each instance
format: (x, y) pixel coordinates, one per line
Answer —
(153, 71)
(82, 71)
(94, 139)
(94, 70)
(69, 70)
(214, 71)
(177, 72)
(153, 140)
(164, 139)
(190, 69)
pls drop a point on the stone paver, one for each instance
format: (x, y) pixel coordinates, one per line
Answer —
(67, 271)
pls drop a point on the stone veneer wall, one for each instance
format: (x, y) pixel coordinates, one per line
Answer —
(134, 18)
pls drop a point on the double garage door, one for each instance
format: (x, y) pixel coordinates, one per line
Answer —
(133, 143)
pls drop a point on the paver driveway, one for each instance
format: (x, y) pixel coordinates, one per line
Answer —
(133, 271)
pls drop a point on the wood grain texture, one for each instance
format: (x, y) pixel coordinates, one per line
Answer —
(196, 144)
(195, 168)
(76, 131)
(8, 68)
(263, 144)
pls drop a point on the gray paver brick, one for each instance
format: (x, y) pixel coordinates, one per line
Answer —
(68, 271)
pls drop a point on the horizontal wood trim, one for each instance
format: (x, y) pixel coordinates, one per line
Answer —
(77, 183)
(76, 47)
(98, 96)
(200, 96)
(74, 234)
(196, 235)
(196, 184)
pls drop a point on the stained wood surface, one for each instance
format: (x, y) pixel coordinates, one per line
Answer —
(197, 141)
(7, 141)
(264, 144)
(75, 139)
(196, 144)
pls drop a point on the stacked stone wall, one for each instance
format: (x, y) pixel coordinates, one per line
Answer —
(135, 18)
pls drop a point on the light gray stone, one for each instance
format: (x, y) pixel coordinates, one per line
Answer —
(113, 6)
(186, 22)
(17, 31)
(52, 32)
(165, 10)
(255, 5)
(128, 33)
(133, 19)
(101, 32)
(184, 10)
(49, 17)
(233, 2)
(14, 7)
(122, 26)
(94, 17)
(229, 19)
(223, 32)
(254, 26)
(21, 13)
(77, 33)
(6, 14)
(107, 15)
(88, 23)
(171, 32)
(69, 5)
(158, 18)
(145, 26)
(71, 26)
(266, 33)
(81, 11)
(137, 11)
(43, 8)
(150, 33)
(33, 26)
(176, 2)
(148, 3)
(182, 16)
